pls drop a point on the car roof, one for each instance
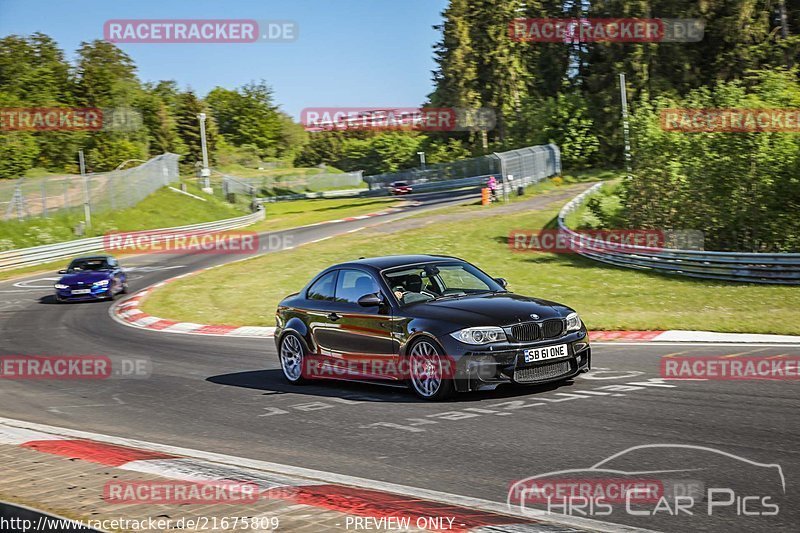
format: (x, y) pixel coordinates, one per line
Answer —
(391, 261)
(93, 258)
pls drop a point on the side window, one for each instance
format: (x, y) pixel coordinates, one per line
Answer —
(112, 262)
(353, 284)
(322, 289)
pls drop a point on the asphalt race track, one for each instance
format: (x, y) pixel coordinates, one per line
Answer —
(226, 395)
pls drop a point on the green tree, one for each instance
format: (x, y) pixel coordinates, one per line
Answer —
(18, 152)
(444, 150)
(324, 147)
(159, 123)
(248, 116)
(106, 76)
(188, 128)
(108, 152)
(741, 189)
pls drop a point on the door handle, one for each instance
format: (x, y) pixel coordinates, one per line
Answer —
(334, 316)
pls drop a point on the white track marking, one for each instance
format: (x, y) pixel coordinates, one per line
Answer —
(328, 477)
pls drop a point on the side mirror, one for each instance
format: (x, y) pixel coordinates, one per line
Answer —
(370, 300)
(62, 271)
(502, 281)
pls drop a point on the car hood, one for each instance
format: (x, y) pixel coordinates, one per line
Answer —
(498, 309)
(88, 277)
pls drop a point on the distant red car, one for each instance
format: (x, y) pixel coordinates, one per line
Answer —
(400, 187)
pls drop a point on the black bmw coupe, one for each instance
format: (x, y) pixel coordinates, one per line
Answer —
(437, 323)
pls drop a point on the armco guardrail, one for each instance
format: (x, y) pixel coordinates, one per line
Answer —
(53, 252)
(778, 268)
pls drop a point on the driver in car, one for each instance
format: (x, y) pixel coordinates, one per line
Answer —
(411, 290)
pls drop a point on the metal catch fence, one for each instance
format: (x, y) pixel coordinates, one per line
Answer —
(42, 197)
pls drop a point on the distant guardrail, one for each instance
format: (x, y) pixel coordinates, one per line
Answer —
(47, 253)
(775, 268)
(461, 183)
(513, 169)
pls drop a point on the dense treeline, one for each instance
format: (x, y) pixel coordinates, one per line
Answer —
(568, 93)
(741, 189)
(243, 124)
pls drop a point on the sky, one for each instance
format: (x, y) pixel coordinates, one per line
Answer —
(349, 53)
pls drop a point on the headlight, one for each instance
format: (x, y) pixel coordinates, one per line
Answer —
(101, 283)
(61, 286)
(482, 335)
(573, 322)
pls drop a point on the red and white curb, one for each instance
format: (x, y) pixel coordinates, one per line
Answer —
(130, 313)
(322, 490)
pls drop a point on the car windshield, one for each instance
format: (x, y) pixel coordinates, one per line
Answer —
(82, 265)
(435, 281)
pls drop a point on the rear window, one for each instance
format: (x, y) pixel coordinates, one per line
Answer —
(88, 264)
(322, 289)
(353, 284)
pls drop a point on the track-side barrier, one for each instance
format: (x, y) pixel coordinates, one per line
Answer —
(47, 253)
(774, 268)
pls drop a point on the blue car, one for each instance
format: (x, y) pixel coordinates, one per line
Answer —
(91, 278)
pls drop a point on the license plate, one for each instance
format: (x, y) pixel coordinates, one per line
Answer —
(548, 352)
(81, 291)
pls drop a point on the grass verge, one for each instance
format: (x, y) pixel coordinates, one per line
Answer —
(607, 297)
(166, 208)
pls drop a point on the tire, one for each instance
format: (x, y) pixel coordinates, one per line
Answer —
(291, 355)
(426, 371)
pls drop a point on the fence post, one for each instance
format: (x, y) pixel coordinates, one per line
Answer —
(44, 197)
(87, 208)
(19, 200)
(110, 186)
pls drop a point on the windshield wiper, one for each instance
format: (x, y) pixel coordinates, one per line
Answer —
(443, 296)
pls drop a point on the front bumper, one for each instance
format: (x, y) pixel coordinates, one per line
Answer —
(65, 295)
(481, 368)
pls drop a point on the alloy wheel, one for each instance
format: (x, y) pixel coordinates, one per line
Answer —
(425, 369)
(291, 357)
